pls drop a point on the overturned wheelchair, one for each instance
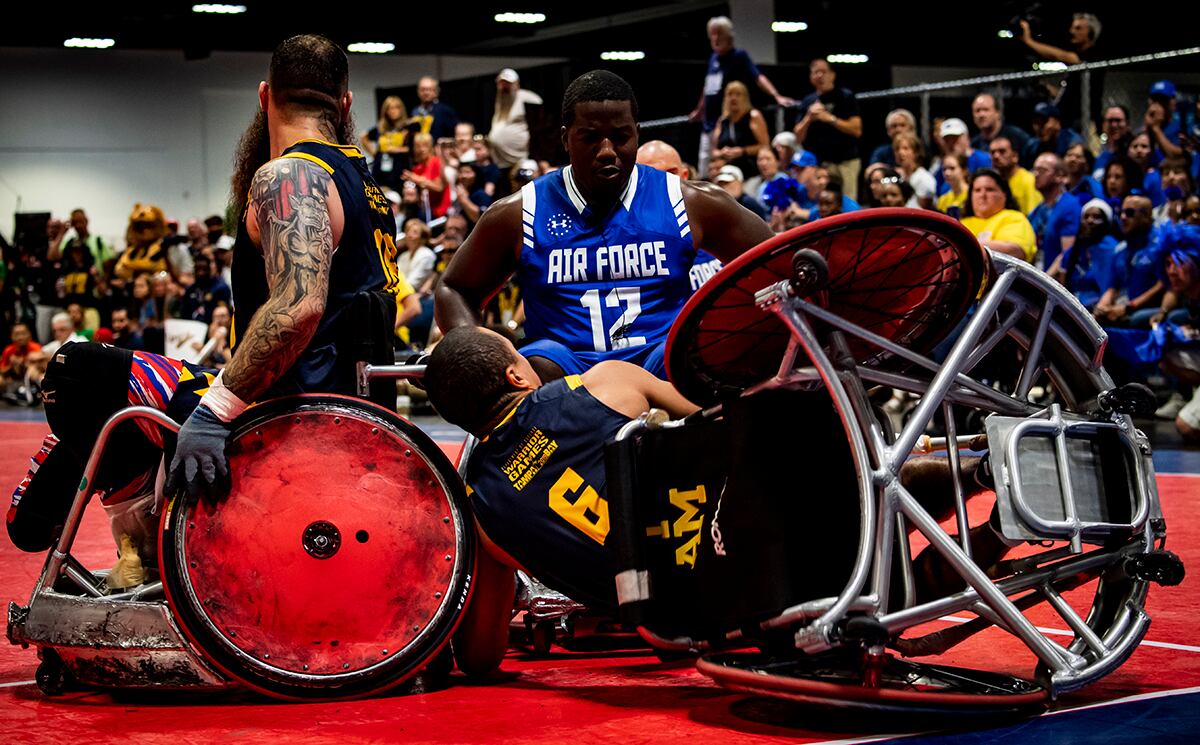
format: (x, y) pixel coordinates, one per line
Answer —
(776, 519)
(764, 544)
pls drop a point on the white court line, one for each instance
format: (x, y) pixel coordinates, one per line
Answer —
(1063, 632)
(17, 683)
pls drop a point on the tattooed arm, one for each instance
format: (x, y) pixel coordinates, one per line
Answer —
(294, 211)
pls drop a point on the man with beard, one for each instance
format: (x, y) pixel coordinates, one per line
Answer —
(315, 231)
(601, 248)
(516, 109)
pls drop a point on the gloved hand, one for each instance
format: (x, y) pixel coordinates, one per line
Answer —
(200, 468)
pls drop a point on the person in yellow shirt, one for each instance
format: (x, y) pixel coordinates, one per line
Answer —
(955, 171)
(992, 216)
(1020, 180)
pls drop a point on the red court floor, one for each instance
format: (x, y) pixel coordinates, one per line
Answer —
(624, 696)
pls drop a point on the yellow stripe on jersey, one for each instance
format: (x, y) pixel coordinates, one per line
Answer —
(350, 151)
(312, 159)
(573, 381)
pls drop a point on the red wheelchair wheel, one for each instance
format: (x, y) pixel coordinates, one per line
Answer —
(722, 342)
(339, 565)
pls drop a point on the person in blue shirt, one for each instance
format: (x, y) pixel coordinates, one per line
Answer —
(1088, 268)
(1050, 136)
(953, 135)
(1080, 182)
(1163, 123)
(601, 248)
(1115, 127)
(1140, 263)
(1056, 220)
(1141, 152)
(726, 64)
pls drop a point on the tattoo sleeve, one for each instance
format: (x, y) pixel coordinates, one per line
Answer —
(289, 203)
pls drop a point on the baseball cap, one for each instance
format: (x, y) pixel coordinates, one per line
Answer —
(804, 159)
(508, 75)
(467, 157)
(729, 173)
(1045, 110)
(392, 196)
(953, 128)
(224, 243)
(527, 169)
(784, 139)
(1162, 89)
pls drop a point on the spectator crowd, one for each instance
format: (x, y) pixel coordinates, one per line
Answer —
(1112, 214)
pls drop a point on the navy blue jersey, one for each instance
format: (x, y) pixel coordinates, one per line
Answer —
(538, 489)
(364, 260)
(604, 286)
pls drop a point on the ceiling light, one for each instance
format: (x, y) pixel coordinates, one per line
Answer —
(219, 9)
(1004, 33)
(77, 43)
(520, 17)
(788, 27)
(1050, 66)
(622, 56)
(371, 47)
(847, 59)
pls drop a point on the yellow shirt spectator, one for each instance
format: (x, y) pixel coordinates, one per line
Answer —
(950, 199)
(1005, 225)
(1023, 190)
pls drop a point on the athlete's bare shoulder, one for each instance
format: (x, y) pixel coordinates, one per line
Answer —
(719, 224)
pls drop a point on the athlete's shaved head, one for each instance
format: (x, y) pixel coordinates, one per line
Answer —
(597, 85)
(662, 157)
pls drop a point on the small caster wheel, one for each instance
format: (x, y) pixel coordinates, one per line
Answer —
(810, 272)
(52, 676)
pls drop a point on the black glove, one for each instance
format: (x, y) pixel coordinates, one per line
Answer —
(200, 468)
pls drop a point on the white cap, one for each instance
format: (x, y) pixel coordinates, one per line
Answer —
(508, 75)
(1099, 204)
(467, 157)
(224, 243)
(729, 173)
(391, 196)
(953, 127)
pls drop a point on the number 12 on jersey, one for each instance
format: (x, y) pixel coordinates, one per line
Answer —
(615, 336)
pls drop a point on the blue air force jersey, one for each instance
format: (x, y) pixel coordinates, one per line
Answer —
(604, 286)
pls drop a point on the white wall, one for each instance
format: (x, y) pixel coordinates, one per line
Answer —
(105, 129)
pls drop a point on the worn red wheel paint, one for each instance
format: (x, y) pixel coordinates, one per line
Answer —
(339, 565)
(722, 342)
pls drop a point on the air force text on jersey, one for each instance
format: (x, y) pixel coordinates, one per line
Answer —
(627, 261)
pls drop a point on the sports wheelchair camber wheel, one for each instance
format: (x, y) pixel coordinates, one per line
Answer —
(339, 565)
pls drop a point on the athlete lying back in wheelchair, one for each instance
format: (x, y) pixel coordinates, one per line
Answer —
(537, 481)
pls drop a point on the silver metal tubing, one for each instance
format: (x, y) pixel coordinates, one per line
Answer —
(1054, 656)
(815, 608)
(905, 354)
(1033, 355)
(946, 377)
(368, 372)
(816, 637)
(1071, 527)
(1001, 331)
(66, 539)
(82, 578)
(960, 499)
(1068, 614)
(1095, 560)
